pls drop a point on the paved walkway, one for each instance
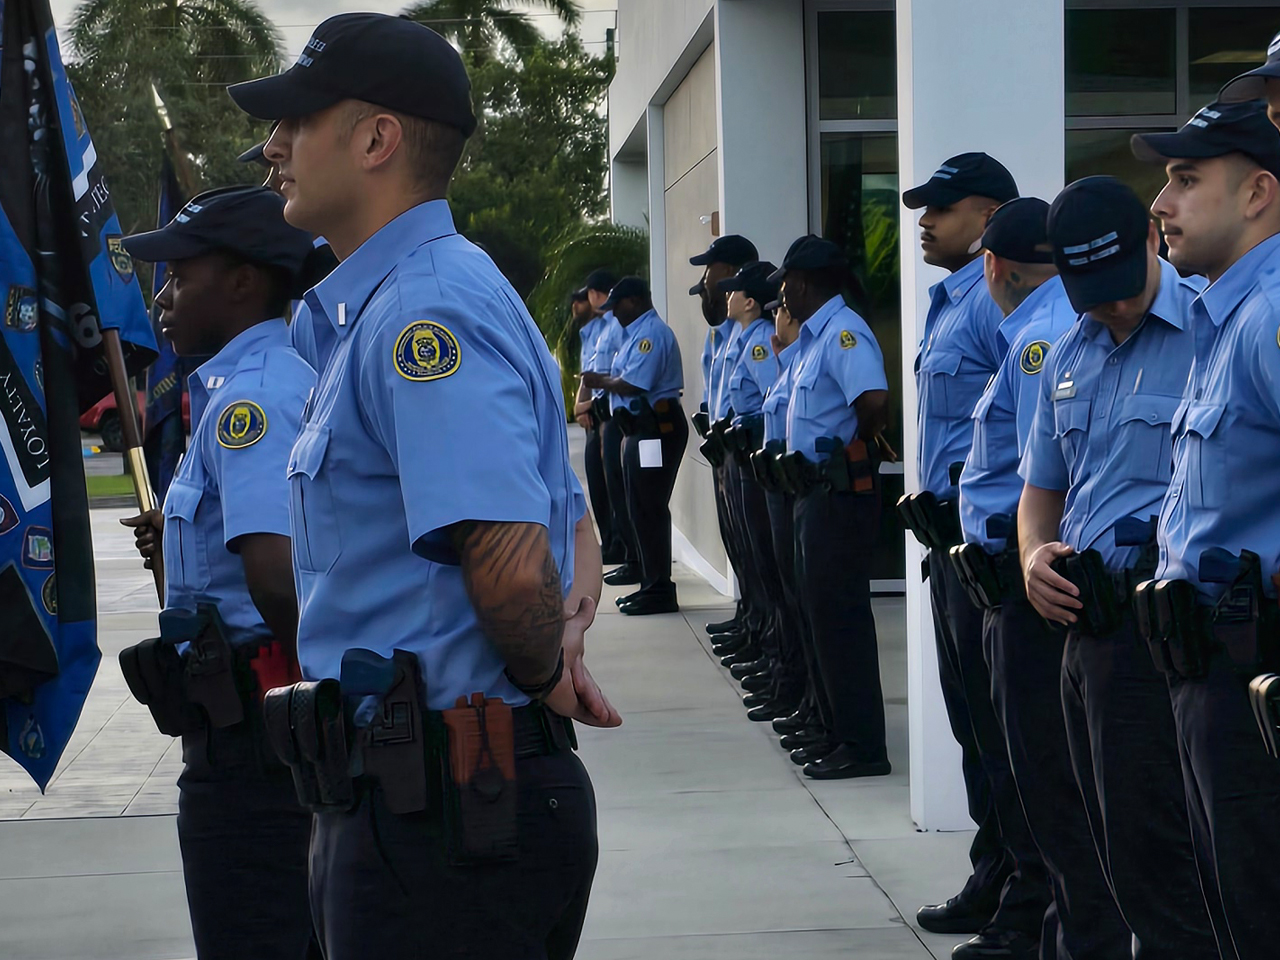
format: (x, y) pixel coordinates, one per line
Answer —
(712, 844)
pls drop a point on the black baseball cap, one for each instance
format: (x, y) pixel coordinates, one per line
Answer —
(1018, 231)
(753, 280)
(733, 249)
(601, 280)
(1253, 85)
(966, 175)
(1217, 130)
(1098, 229)
(696, 289)
(810, 253)
(579, 295)
(392, 62)
(627, 287)
(254, 155)
(247, 221)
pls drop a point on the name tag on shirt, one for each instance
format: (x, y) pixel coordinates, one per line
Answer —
(650, 453)
(1065, 390)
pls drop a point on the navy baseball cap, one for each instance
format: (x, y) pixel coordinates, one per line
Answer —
(246, 221)
(1217, 130)
(624, 288)
(733, 249)
(810, 253)
(579, 295)
(1018, 231)
(254, 155)
(1098, 229)
(966, 175)
(601, 280)
(696, 289)
(753, 280)
(1253, 85)
(392, 62)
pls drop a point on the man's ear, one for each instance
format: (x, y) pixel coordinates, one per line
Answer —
(383, 138)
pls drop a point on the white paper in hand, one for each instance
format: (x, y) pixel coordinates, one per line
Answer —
(650, 453)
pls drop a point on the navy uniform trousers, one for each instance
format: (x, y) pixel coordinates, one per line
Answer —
(244, 840)
(383, 885)
(835, 533)
(750, 518)
(1233, 791)
(598, 489)
(1124, 749)
(616, 485)
(649, 498)
(1008, 879)
(1025, 655)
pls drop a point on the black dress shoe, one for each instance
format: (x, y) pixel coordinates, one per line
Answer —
(772, 710)
(745, 655)
(812, 754)
(758, 699)
(805, 738)
(730, 649)
(625, 575)
(725, 626)
(729, 641)
(844, 764)
(957, 915)
(757, 682)
(651, 603)
(800, 720)
(740, 671)
(1004, 944)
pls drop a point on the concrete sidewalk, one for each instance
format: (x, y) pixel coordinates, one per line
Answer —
(712, 843)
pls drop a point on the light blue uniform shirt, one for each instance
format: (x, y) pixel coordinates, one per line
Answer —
(588, 334)
(721, 366)
(711, 345)
(755, 370)
(778, 399)
(246, 404)
(839, 361)
(1102, 430)
(1002, 419)
(962, 348)
(650, 360)
(439, 403)
(608, 341)
(1226, 449)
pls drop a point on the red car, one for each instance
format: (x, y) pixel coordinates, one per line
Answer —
(104, 418)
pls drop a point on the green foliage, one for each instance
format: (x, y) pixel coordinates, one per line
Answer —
(190, 50)
(484, 30)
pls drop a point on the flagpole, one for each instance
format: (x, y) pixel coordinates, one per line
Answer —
(181, 162)
(127, 407)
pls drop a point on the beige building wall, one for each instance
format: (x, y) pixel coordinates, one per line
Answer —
(691, 190)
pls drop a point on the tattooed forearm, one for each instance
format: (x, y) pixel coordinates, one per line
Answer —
(514, 585)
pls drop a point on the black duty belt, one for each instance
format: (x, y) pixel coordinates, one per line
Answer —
(989, 579)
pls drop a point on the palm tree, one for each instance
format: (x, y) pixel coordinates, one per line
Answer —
(482, 28)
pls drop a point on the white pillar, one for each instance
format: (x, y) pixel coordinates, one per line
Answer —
(760, 122)
(656, 186)
(972, 75)
(629, 192)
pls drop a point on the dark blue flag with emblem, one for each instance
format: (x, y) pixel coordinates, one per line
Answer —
(64, 277)
(165, 439)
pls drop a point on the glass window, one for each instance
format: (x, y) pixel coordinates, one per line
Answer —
(1120, 62)
(1107, 153)
(1223, 43)
(857, 73)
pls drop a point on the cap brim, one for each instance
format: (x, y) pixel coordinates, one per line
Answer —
(156, 246)
(702, 259)
(254, 155)
(778, 275)
(1251, 85)
(1159, 147)
(696, 289)
(932, 194)
(284, 95)
(730, 284)
(773, 305)
(1122, 280)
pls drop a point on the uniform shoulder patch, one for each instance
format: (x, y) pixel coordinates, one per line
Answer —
(645, 345)
(426, 350)
(1033, 355)
(758, 352)
(847, 340)
(242, 423)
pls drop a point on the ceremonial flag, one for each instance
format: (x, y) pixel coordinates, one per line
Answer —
(64, 278)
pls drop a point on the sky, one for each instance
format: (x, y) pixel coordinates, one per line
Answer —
(297, 18)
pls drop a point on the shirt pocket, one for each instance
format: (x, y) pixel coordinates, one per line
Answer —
(1071, 430)
(1144, 435)
(317, 542)
(953, 391)
(1205, 428)
(186, 554)
(978, 452)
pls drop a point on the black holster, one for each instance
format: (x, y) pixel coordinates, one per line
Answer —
(935, 523)
(307, 729)
(391, 737)
(600, 409)
(153, 671)
(701, 423)
(988, 579)
(1264, 695)
(1102, 610)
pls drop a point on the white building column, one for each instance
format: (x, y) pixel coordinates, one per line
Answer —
(629, 192)
(972, 75)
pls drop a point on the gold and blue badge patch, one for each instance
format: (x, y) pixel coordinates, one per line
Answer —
(758, 352)
(1033, 354)
(241, 424)
(645, 345)
(847, 340)
(120, 258)
(426, 351)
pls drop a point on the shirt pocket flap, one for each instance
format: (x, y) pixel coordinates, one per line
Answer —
(308, 451)
(1149, 408)
(182, 499)
(943, 361)
(1204, 418)
(1070, 415)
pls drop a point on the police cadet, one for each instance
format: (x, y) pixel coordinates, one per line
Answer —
(965, 340)
(644, 388)
(1096, 467)
(439, 536)
(232, 266)
(721, 260)
(839, 398)
(775, 683)
(587, 411)
(1024, 654)
(1260, 83)
(1221, 215)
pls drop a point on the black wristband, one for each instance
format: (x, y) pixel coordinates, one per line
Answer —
(542, 690)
